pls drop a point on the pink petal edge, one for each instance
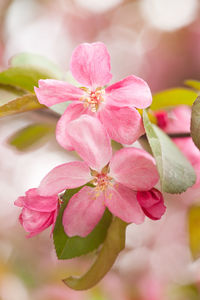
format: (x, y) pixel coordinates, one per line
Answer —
(123, 124)
(122, 202)
(73, 111)
(90, 64)
(130, 91)
(39, 203)
(91, 141)
(52, 91)
(65, 176)
(83, 212)
(134, 168)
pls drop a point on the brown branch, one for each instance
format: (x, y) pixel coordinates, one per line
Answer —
(179, 135)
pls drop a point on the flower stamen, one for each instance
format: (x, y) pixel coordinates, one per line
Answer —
(93, 99)
(101, 181)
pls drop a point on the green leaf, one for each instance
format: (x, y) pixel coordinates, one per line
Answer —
(26, 69)
(20, 104)
(195, 84)
(30, 136)
(8, 93)
(173, 97)
(176, 173)
(195, 122)
(67, 247)
(145, 144)
(112, 246)
(27, 60)
(194, 230)
(116, 146)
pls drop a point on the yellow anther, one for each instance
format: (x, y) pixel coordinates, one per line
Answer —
(101, 181)
(92, 99)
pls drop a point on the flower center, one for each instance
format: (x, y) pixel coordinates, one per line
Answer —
(102, 180)
(92, 99)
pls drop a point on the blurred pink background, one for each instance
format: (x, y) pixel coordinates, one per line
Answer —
(157, 40)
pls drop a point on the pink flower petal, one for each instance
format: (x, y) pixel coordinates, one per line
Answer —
(65, 176)
(162, 119)
(73, 111)
(90, 64)
(122, 202)
(34, 233)
(35, 221)
(39, 203)
(83, 212)
(52, 91)
(187, 146)
(123, 124)
(134, 168)
(178, 120)
(152, 203)
(91, 141)
(131, 91)
(21, 219)
(20, 201)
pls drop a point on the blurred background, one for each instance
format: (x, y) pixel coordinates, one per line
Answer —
(157, 40)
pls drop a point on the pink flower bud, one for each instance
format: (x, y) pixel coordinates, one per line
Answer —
(38, 212)
(152, 203)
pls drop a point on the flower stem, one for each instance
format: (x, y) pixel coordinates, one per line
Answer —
(113, 245)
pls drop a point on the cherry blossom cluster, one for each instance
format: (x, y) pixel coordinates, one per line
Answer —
(124, 181)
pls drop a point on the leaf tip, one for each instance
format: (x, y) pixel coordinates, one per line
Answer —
(71, 282)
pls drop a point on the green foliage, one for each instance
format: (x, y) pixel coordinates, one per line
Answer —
(30, 136)
(28, 60)
(20, 104)
(8, 93)
(69, 247)
(173, 97)
(116, 146)
(195, 84)
(26, 69)
(176, 173)
(194, 230)
(23, 74)
(145, 144)
(195, 122)
(22, 77)
(112, 246)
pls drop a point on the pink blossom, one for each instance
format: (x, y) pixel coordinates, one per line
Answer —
(115, 105)
(175, 121)
(162, 118)
(116, 180)
(152, 203)
(38, 212)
